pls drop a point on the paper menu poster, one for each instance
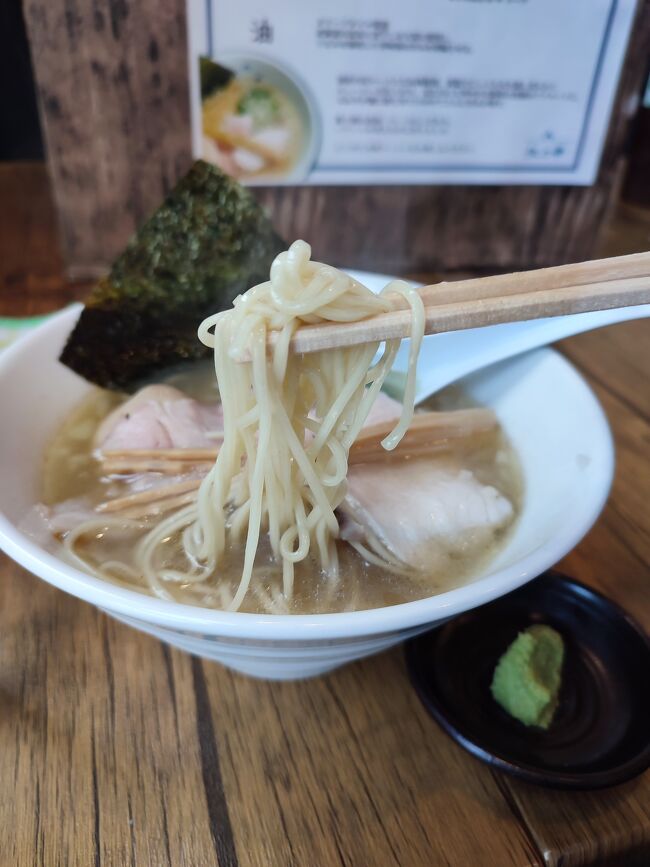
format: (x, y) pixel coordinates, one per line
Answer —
(408, 92)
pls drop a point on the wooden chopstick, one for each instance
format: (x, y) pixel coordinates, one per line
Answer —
(521, 282)
(599, 284)
(476, 313)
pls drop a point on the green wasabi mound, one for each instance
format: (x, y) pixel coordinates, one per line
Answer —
(526, 680)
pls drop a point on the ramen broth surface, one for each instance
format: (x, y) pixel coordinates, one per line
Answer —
(71, 472)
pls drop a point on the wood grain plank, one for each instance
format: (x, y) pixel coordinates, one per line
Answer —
(617, 359)
(32, 278)
(220, 825)
(611, 826)
(349, 769)
(108, 767)
(589, 828)
(100, 753)
(112, 87)
(626, 520)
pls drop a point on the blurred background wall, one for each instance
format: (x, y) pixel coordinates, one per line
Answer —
(20, 132)
(114, 124)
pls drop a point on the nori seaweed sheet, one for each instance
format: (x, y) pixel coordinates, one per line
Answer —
(213, 76)
(206, 244)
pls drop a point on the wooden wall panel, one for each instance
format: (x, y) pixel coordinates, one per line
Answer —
(112, 83)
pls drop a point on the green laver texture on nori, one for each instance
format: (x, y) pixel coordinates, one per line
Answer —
(207, 243)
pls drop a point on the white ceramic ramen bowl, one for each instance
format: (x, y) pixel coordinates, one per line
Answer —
(551, 416)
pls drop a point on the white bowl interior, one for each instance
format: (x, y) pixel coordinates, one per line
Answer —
(560, 435)
(550, 414)
(37, 393)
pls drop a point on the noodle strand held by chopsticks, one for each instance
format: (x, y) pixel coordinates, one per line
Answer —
(289, 422)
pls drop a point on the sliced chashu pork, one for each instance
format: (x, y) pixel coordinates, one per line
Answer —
(160, 417)
(420, 511)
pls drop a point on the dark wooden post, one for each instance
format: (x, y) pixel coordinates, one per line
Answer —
(112, 84)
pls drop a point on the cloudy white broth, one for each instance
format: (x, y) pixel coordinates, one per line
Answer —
(453, 506)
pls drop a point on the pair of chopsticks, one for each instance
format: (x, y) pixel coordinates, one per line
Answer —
(601, 284)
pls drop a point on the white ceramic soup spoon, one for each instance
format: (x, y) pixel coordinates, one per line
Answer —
(445, 358)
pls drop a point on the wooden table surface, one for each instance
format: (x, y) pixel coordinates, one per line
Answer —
(117, 750)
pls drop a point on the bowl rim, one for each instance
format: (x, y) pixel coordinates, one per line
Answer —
(304, 627)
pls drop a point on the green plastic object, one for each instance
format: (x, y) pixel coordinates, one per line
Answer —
(527, 678)
(207, 243)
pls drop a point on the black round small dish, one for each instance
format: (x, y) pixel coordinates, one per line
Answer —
(600, 734)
